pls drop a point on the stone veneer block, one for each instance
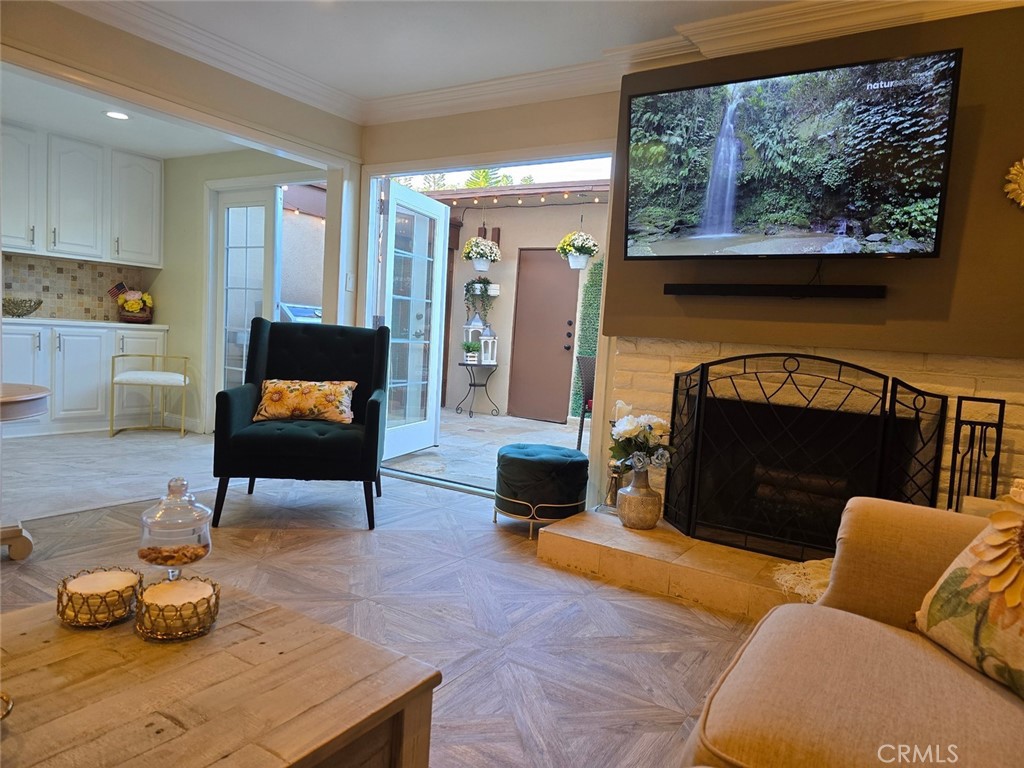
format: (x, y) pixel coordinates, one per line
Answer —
(665, 562)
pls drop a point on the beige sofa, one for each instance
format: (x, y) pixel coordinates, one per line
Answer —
(844, 682)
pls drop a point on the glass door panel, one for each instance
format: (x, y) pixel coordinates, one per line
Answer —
(249, 232)
(417, 239)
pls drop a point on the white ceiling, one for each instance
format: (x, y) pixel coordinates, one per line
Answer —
(374, 61)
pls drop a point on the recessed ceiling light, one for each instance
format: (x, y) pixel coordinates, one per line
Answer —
(116, 115)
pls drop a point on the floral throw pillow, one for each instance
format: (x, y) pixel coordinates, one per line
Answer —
(976, 611)
(317, 400)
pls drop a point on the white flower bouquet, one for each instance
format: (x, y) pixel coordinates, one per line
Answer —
(481, 248)
(637, 441)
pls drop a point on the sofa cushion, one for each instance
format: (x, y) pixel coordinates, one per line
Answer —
(976, 610)
(817, 686)
(297, 399)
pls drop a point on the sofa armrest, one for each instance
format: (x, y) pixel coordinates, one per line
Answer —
(889, 554)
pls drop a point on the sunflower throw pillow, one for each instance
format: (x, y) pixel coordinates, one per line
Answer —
(976, 611)
(294, 399)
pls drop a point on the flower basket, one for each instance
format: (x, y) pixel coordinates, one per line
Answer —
(144, 315)
(134, 306)
(481, 252)
(577, 248)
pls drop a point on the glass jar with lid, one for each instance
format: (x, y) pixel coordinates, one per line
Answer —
(176, 531)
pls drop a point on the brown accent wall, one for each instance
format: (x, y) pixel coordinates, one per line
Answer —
(968, 301)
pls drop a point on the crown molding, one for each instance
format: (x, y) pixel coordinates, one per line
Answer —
(549, 85)
(775, 26)
(803, 22)
(165, 30)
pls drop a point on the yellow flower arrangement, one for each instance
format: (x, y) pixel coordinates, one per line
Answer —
(1015, 189)
(134, 301)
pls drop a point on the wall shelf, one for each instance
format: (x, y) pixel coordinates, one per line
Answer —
(778, 290)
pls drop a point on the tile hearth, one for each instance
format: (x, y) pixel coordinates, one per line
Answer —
(665, 562)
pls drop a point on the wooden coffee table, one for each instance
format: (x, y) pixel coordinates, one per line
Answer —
(266, 687)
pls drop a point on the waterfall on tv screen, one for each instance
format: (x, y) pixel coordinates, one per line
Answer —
(720, 197)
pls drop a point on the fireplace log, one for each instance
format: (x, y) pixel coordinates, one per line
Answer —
(824, 485)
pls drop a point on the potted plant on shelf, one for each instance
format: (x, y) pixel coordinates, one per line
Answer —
(478, 297)
(577, 248)
(481, 252)
(471, 352)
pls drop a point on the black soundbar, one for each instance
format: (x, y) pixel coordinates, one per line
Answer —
(797, 291)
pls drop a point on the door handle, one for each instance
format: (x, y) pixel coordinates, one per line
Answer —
(567, 347)
(58, 342)
(32, 234)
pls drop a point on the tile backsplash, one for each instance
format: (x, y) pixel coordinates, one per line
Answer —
(70, 290)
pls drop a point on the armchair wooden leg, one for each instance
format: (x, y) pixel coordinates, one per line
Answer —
(377, 483)
(368, 495)
(252, 485)
(218, 504)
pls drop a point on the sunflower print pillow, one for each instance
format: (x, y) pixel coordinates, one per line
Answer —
(315, 400)
(976, 611)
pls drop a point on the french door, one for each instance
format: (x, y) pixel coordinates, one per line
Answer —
(413, 242)
(248, 241)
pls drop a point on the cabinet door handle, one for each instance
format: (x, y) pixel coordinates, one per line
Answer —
(117, 251)
(32, 234)
(122, 345)
(54, 237)
(39, 342)
(58, 342)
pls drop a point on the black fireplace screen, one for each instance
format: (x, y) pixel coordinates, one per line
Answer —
(768, 448)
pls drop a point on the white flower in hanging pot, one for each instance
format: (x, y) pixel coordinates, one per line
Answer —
(577, 248)
(481, 252)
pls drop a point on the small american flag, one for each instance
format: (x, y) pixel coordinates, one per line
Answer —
(117, 290)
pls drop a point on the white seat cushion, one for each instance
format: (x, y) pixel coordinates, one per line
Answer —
(152, 378)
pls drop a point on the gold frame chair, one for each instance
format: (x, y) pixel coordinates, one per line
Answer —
(154, 377)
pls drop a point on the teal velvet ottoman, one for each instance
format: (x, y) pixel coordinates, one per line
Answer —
(540, 483)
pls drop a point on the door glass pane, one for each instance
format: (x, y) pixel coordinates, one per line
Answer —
(244, 235)
(411, 306)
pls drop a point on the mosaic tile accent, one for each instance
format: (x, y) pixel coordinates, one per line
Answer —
(70, 290)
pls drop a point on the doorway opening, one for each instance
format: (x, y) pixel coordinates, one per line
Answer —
(505, 391)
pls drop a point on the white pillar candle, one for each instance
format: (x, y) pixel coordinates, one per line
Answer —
(177, 592)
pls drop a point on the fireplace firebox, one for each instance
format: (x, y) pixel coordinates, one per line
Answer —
(768, 448)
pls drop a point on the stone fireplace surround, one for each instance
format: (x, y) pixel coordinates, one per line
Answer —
(723, 579)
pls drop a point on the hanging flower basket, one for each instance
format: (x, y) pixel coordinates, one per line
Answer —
(577, 248)
(481, 252)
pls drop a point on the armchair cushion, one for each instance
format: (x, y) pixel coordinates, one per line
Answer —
(297, 399)
(976, 610)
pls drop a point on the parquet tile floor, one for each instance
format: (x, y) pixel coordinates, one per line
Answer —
(542, 667)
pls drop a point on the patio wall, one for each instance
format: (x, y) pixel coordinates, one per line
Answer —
(540, 227)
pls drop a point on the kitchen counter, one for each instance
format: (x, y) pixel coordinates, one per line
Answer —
(48, 321)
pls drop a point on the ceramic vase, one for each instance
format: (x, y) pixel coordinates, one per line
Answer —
(638, 505)
(481, 265)
(578, 260)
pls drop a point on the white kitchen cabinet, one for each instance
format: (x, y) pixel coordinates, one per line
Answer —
(23, 160)
(71, 199)
(136, 195)
(136, 400)
(75, 197)
(81, 370)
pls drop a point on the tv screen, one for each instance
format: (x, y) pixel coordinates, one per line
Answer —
(849, 161)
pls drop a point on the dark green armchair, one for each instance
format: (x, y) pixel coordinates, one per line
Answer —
(304, 449)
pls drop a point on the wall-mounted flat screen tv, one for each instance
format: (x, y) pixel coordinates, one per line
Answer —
(848, 161)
